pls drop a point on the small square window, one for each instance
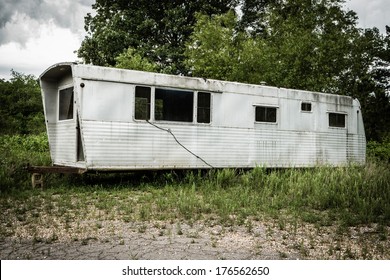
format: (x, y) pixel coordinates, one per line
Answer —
(265, 114)
(336, 120)
(306, 106)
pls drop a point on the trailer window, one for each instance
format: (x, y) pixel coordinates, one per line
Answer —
(174, 105)
(336, 120)
(65, 110)
(306, 106)
(142, 103)
(265, 114)
(203, 115)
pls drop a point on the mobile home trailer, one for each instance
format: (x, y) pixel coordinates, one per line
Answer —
(100, 118)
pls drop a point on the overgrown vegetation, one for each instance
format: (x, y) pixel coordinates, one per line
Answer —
(17, 151)
(21, 110)
(351, 194)
(312, 45)
(336, 200)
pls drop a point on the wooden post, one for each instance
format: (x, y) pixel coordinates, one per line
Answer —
(37, 180)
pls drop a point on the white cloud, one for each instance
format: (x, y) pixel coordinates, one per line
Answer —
(373, 13)
(51, 45)
(63, 13)
(37, 33)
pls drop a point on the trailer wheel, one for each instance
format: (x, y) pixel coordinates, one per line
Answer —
(37, 180)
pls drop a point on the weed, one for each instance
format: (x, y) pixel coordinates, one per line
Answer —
(366, 255)
(382, 230)
(283, 255)
(213, 242)
(179, 230)
(142, 228)
(193, 234)
(249, 226)
(348, 254)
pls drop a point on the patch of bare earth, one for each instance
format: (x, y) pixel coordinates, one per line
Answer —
(49, 237)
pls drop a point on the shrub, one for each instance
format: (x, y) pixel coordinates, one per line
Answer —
(17, 152)
(379, 151)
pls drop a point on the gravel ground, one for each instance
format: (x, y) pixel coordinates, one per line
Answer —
(176, 240)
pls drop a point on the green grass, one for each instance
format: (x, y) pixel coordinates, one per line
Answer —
(348, 195)
(351, 195)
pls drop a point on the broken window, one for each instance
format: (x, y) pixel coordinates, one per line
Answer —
(336, 120)
(203, 115)
(306, 106)
(142, 103)
(265, 114)
(174, 105)
(65, 104)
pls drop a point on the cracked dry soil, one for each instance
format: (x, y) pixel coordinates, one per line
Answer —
(178, 240)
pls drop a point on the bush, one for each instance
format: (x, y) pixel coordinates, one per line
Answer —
(17, 152)
(379, 151)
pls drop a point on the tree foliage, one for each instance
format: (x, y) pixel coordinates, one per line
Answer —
(133, 60)
(157, 30)
(21, 110)
(310, 45)
(304, 44)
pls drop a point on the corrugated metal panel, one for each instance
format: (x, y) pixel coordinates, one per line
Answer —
(356, 150)
(62, 141)
(136, 145)
(120, 145)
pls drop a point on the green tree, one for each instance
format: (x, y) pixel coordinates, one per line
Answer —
(133, 60)
(373, 89)
(21, 110)
(214, 47)
(253, 13)
(310, 45)
(157, 30)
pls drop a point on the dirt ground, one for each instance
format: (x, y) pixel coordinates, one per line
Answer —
(119, 240)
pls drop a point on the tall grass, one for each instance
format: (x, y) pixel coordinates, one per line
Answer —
(17, 151)
(351, 194)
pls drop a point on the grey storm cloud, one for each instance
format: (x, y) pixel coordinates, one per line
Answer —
(20, 19)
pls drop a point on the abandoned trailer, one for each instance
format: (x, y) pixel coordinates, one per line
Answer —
(100, 118)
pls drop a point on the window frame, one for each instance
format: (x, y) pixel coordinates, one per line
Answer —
(337, 114)
(149, 103)
(197, 107)
(306, 103)
(193, 108)
(266, 106)
(154, 101)
(59, 115)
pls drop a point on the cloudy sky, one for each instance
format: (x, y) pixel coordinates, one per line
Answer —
(35, 34)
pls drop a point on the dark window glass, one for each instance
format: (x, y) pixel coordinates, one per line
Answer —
(66, 104)
(142, 103)
(305, 106)
(336, 120)
(174, 105)
(265, 114)
(203, 107)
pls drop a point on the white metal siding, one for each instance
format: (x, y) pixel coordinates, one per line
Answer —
(62, 140)
(120, 145)
(113, 140)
